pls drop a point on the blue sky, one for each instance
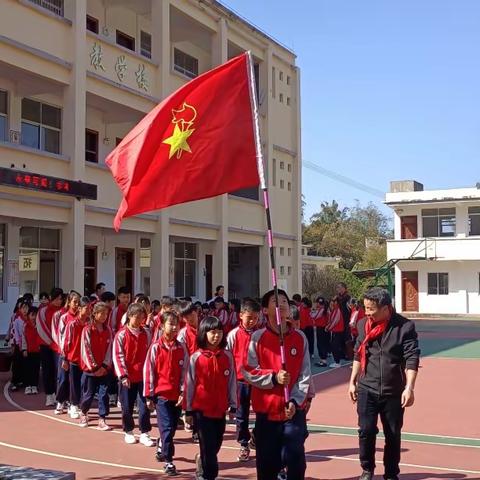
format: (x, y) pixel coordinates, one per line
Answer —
(390, 90)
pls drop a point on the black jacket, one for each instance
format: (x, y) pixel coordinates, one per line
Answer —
(389, 356)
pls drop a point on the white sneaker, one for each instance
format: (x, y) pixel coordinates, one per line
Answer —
(59, 409)
(28, 390)
(334, 365)
(34, 390)
(50, 400)
(146, 440)
(130, 438)
(74, 412)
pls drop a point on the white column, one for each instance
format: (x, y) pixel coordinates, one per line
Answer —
(220, 254)
(462, 221)
(160, 261)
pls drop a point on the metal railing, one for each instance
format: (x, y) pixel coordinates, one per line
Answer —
(54, 6)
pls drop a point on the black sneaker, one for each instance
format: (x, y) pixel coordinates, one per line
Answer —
(159, 455)
(366, 476)
(282, 475)
(251, 443)
(170, 469)
(195, 438)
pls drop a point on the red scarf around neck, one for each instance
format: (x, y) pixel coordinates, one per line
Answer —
(372, 332)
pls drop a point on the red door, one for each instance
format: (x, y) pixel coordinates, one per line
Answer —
(409, 227)
(410, 291)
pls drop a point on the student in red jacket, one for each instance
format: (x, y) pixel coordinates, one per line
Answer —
(31, 351)
(211, 391)
(124, 297)
(356, 314)
(279, 428)
(96, 362)
(129, 353)
(336, 326)
(188, 334)
(71, 354)
(306, 323)
(163, 381)
(237, 343)
(320, 319)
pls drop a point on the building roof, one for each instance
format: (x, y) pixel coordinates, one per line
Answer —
(433, 196)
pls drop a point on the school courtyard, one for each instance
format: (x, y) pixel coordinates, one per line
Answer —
(441, 435)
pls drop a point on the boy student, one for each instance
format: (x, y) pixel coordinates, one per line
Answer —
(123, 298)
(31, 351)
(237, 343)
(130, 348)
(279, 429)
(163, 381)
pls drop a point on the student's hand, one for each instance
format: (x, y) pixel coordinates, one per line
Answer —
(180, 401)
(101, 372)
(290, 410)
(408, 398)
(352, 392)
(283, 377)
(65, 365)
(126, 382)
(189, 420)
(25, 353)
(150, 405)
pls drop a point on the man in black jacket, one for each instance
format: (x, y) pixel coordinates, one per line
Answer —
(383, 379)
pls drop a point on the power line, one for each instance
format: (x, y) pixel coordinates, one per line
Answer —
(343, 179)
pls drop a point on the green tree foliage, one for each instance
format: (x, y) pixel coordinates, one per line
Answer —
(356, 234)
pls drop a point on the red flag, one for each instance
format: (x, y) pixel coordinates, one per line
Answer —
(198, 143)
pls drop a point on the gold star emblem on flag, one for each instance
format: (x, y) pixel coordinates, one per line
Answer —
(183, 119)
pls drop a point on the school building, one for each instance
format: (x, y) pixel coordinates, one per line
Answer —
(436, 248)
(75, 77)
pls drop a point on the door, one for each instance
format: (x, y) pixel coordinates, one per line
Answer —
(208, 276)
(410, 291)
(124, 268)
(409, 227)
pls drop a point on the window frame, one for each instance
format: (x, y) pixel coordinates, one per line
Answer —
(132, 268)
(439, 284)
(183, 70)
(94, 269)
(470, 215)
(440, 217)
(93, 21)
(186, 259)
(145, 52)
(127, 37)
(91, 132)
(5, 116)
(47, 5)
(282, 184)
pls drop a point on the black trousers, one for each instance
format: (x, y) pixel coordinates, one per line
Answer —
(18, 367)
(323, 342)
(280, 444)
(338, 346)
(310, 334)
(210, 435)
(369, 407)
(32, 369)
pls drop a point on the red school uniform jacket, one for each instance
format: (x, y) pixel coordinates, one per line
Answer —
(44, 325)
(211, 383)
(263, 363)
(164, 370)
(72, 340)
(31, 341)
(188, 336)
(356, 315)
(96, 348)
(320, 317)
(130, 348)
(305, 319)
(237, 343)
(116, 317)
(335, 321)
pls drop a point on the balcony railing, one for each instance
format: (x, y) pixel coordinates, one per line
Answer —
(54, 6)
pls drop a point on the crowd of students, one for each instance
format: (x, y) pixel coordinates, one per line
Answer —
(209, 360)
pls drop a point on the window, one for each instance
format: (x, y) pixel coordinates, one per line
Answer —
(289, 167)
(250, 192)
(282, 270)
(474, 220)
(439, 222)
(274, 172)
(288, 80)
(288, 101)
(3, 115)
(185, 269)
(92, 24)
(289, 186)
(280, 76)
(274, 90)
(282, 251)
(2, 258)
(41, 126)
(289, 270)
(124, 268)
(280, 97)
(91, 146)
(185, 64)
(289, 252)
(282, 183)
(145, 260)
(90, 275)
(125, 40)
(438, 284)
(54, 6)
(145, 44)
(38, 259)
(282, 165)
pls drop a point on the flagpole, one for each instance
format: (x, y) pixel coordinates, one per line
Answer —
(266, 201)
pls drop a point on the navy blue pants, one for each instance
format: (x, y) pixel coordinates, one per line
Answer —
(90, 386)
(244, 391)
(168, 415)
(49, 361)
(210, 435)
(63, 382)
(278, 444)
(75, 377)
(127, 398)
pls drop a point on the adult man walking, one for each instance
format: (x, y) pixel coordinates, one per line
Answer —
(383, 379)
